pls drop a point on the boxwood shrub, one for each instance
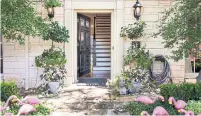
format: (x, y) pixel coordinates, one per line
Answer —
(135, 108)
(8, 88)
(183, 91)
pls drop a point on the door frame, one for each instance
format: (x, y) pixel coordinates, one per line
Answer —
(71, 8)
(75, 36)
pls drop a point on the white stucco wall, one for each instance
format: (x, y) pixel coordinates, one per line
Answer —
(19, 60)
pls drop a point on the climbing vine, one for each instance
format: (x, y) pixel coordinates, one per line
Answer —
(180, 28)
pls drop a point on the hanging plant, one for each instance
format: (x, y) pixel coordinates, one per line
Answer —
(141, 57)
(133, 31)
(49, 5)
(56, 33)
(52, 3)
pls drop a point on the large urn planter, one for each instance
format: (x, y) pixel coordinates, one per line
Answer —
(54, 87)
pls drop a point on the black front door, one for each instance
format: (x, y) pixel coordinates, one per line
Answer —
(83, 44)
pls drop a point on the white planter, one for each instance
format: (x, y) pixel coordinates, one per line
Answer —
(54, 86)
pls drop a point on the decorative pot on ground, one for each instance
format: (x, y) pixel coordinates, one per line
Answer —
(54, 87)
(135, 88)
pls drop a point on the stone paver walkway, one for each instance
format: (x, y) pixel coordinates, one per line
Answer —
(85, 100)
(80, 100)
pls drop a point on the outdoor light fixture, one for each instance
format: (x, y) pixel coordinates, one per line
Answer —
(137, 10)
(50, 12)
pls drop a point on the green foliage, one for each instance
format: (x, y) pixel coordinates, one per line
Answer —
(194, 106)
(19, 19)
(133, 31)
(180, 27)
(56, 33)
(40, 110)
(53, 60)
(8, 88)
(139, 55)
(54, 74)
(183, 91)
(52, 3)
(53, 57)
(135, 108)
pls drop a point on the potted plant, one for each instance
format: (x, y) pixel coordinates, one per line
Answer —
(53, 61)
(133, 31)
(49, 5)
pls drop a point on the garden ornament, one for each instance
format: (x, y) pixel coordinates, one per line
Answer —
(122, 88)
(147, 100)
(179, 104)
(24, 109)
(7, 101)
(31, 100)
(186, 113)
(158, 111)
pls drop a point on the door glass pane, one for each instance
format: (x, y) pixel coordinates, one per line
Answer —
(81, 21)
(82, 63)
(87, 23)
(87, 40)
(88, 62)
(82, 42)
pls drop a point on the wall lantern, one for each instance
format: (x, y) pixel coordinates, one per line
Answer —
(137, 10)
(50, 11)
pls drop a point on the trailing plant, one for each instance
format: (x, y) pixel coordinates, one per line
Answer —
(56, 33)
(19, 19)
(53, 57)
(180, 28)
(194, 106)
(52, 3)
(139, 56)
(133, 31)
(135, 108)
(8, 88)
(184, 91)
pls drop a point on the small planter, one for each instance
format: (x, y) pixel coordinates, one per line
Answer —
(135, 88)
(54, 87)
